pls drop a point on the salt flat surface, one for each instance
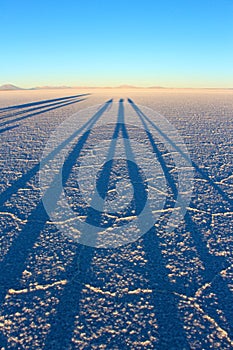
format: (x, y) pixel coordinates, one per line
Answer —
(169, 289)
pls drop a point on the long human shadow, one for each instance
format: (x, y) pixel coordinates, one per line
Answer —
(14, 263)
(63, 325)
(57, 105)
(31, 104)
(9, 128)
(25, 111)
(22, 181)
(213, 265)
(165, 303)
(203, 174)
(78, 270)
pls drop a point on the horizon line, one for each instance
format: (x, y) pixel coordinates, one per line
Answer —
(12, 87)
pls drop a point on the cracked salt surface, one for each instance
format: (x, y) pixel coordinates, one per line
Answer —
(164, 291)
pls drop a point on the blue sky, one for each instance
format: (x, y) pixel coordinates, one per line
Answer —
(157, 42)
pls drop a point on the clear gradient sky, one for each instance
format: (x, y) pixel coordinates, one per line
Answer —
(177, 43)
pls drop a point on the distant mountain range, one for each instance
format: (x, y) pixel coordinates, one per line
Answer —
(11, 87)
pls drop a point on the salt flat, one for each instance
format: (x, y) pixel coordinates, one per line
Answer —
(169, 289)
